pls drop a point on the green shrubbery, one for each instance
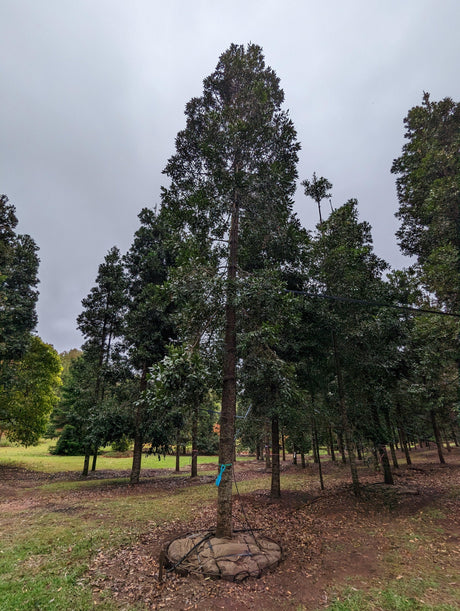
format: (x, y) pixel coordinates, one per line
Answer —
(69, 443)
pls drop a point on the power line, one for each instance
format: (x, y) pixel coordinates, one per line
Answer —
(379, 304)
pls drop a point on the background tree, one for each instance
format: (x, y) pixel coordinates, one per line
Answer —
(149, 326)
(317, 189)
(18, 294)
(97, 373)
(26, 408)
(428, 187)
(232, 179)
(18, 317)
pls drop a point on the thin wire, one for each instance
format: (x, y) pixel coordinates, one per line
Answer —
(250, 529)
(373, 303)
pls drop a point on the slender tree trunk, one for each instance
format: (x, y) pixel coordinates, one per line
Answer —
(359, 451)
(446, 439)
(86, 463)
(375, 456)
(405, 446)
(345, 422)
(294, 457)
(302, 460)
(318, 458)
(394, 458)
(268, 462)
(331, 438)
(387, 474)
(454, 436)
(178, 450)
(138, 435)
(314, 440)
(194, 469)
(283, 446)
(275, 483)
(437, 436)
(341, 447)
(93, 466)
(228, 410)
(393, 442)
(137, 458)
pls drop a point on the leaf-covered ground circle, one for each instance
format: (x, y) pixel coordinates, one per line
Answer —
(245, 555)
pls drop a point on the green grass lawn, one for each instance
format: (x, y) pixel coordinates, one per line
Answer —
(38, 458)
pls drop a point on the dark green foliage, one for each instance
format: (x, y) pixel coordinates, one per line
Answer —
(428, 186)
(121, 445)
(18, 294)
(93, 385)
(317, 189)
(69, 443)
(149, 327)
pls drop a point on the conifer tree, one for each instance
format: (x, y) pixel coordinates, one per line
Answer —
(232, 181)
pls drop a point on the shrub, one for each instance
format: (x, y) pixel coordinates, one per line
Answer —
(69, 443)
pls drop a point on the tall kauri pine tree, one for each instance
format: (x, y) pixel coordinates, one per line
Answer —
(149, 326)
(101, 323)
(428, 187)
(232, 181)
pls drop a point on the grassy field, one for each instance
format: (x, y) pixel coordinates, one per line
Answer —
(72, 544)
(38, 458)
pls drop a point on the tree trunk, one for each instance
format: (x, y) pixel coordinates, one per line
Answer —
(318, 458)
(345, 422)
(268, 462)
(394, 458)
(86, 463)
(228, 409)
(283, 446)
(315, 448)
(194, 469)
(138, 434)
(331, 441)
(437, 436)
(137, 459)
(391, 442)
(276, 485)
(405, 445)
(302, 460)
(93, 466)
(178, 450)
(341, 447)
(446, 439)
(387, 474)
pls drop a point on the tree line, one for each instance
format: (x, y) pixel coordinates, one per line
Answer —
(225, 303)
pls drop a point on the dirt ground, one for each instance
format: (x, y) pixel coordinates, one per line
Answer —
(330, 539)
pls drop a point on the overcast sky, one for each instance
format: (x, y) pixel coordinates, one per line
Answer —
(93, 94)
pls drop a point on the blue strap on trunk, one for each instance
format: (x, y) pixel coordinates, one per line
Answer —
(222, 469)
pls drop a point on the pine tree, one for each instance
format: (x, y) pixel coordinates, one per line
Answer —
(101, 323)
(232, 182)
(149, 327)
